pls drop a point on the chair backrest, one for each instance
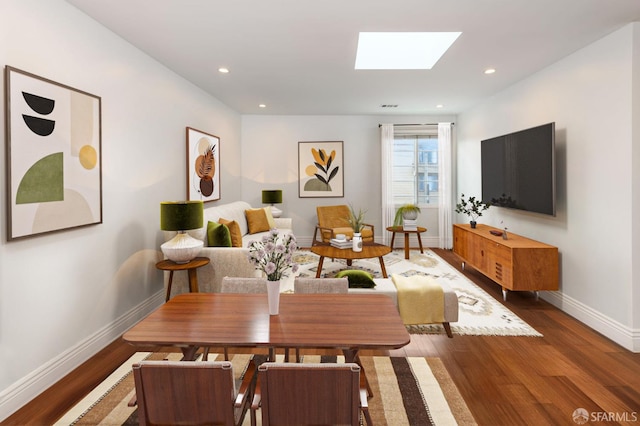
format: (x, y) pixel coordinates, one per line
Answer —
(243, 285)
(333, 216)
(176, 392)
(309, 394)
(321, 285)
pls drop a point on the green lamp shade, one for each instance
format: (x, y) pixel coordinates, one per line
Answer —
(181, 215)
(273, 196)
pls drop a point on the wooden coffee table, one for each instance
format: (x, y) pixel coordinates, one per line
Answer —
(369, 250)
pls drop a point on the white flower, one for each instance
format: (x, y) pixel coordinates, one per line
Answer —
(273, 255)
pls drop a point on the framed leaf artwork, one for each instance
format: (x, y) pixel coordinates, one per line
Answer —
(54, 156)
(203, 166)
(320, 169)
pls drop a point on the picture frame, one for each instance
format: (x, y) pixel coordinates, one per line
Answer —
(203, 166)
(53, 156)
(320, 169)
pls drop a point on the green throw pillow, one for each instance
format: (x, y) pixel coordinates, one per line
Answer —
(357, 278)
(218, 235)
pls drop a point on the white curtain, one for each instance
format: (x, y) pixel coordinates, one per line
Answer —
(388, 209)
(445, 208)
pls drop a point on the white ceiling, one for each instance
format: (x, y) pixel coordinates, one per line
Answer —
(298, 57)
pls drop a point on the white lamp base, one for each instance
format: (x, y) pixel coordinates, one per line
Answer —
(275, 212)
(182, 248)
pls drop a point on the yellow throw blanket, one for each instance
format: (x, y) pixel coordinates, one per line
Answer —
(420, 299)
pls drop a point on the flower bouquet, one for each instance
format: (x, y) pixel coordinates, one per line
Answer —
(273, 255)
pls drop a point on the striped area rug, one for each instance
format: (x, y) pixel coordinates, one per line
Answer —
(407, 391)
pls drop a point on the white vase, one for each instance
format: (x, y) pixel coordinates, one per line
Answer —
(273, 294)
(357, 241)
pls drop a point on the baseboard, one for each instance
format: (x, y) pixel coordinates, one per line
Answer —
(626, 337)
(30, 386)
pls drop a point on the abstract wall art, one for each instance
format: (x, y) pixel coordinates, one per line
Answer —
(53, 154)
(203, 166)
(320, 169)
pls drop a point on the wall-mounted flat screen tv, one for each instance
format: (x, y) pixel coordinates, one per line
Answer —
(519, 170)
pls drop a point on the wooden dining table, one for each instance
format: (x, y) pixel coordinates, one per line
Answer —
(349, 322)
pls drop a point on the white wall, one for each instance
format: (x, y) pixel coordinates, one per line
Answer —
(589, 96)
(66, 295)
(270, 161)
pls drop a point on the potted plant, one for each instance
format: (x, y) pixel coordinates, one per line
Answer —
(406, 212)
(356, 221)
(472, 208)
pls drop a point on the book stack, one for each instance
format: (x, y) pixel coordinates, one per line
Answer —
(410, 225)
(341, 244)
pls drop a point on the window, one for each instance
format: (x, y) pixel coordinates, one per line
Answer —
(415, 169)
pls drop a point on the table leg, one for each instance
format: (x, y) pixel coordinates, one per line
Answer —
(319, 271)
(393, 238)
(193, 280)
(406, 245)
(189, 353)
(166, 299)
(384, 270)
(420, 242)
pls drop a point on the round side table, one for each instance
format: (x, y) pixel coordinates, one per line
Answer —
(190, 267)
(407, 233)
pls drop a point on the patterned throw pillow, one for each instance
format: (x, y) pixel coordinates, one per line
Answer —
(357, 278)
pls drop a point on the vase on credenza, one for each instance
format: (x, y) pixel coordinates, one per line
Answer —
(273, 295)
(473, 224)
(357, 241)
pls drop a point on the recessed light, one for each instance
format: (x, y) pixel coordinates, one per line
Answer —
(262, 105)
(489, 70)
(439, 106)
(223, 70)
(402, 50)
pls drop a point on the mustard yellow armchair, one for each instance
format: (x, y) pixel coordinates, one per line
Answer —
(333, 220)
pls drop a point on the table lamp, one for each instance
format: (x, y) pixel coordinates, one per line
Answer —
(273, 196)
(181, 216)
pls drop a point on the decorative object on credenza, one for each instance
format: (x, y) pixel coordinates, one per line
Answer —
(273, 255)
(472, 208)
(203, 166)
(54, 156)
(181, 216)
(320, 169)
(273, 196)
(406, 216)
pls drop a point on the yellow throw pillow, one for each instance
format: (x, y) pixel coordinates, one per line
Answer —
(234, 229)
(257, 220)
(272, 223)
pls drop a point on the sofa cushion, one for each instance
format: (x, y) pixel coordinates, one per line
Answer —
(234, 230)
(257, 220)
(218, 235)
(357, 278)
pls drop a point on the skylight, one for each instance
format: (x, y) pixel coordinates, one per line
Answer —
(402, 50)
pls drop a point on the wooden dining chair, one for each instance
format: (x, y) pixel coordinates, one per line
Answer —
(240, 285)
(309, 394)
(319, 285)
(191, 392)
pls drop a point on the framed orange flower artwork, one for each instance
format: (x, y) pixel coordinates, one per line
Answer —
(203, 166)
(320, 169)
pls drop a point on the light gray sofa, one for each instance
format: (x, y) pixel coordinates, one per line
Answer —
(223, 261)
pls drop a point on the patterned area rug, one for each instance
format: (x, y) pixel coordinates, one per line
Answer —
(479, 312)
(407, 391)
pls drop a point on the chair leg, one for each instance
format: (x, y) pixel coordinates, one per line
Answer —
(447, 328)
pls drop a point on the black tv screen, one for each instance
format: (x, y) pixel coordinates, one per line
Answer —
(518, 170)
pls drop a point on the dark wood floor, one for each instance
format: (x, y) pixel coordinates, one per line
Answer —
(504, 380)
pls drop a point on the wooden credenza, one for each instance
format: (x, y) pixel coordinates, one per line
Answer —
(517, 263)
